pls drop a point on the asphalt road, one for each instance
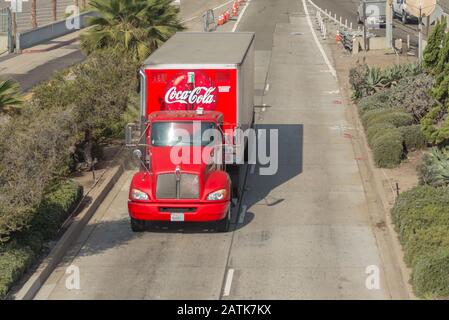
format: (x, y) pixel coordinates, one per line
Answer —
(303, 233)
(347, 9)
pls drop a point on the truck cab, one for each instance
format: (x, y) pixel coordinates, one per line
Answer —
(184, 177)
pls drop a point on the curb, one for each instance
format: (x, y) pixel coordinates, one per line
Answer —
(38, 278)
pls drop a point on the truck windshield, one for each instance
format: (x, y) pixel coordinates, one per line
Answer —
(183, 133)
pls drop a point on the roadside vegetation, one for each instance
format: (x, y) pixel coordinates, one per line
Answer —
(405, 108)
(64, 125)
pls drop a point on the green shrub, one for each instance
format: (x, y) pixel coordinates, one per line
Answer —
(396, 118)
(424, 241)
(434, 168)
(14, 261)
(370, 115)
(379, 100)
(388, 149)
(413, 137)
(419, 208)
(430, 276)
(413, 95)
(56, 207)
(377, 129)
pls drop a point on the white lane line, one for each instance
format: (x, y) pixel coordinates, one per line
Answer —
(189, 19)
(320, 47)
(267, 87)
(227, 288)
(241, 15)
(222, 5)
(216, 8)
(242, 214)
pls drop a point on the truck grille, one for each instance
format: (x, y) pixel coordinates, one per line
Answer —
(168, 188)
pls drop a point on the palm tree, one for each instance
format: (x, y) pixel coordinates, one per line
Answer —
(137, 26)
(33, 14)
(10, 97)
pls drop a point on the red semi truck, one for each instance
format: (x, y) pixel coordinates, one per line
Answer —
(194, 84)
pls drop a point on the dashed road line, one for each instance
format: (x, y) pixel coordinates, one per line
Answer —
(228, 284)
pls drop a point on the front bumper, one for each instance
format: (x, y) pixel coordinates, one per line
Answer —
(198, 212)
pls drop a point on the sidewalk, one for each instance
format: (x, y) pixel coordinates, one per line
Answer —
(38, 63)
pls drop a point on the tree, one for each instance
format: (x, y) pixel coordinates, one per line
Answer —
(433, 47)
(33, 14)
(9, 95)
(137, 26)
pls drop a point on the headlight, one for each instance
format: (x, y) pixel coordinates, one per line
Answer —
(217, 195)
(139, 195)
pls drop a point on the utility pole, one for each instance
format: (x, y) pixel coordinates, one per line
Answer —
(389, 26)
(365, 46)
(420, 49)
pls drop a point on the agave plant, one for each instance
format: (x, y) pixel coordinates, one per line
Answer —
(434, 169)
(10, 98)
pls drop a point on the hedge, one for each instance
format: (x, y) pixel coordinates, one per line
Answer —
(14, 261)
(17, 256)
(388, 149)
(425, 240)
(377, 129)
(56, 207)
(413, 137)
(418, 208)
(395, 117)
(430, 277)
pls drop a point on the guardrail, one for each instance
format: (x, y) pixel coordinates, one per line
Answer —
(50, 31)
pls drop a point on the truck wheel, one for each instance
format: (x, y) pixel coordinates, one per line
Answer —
(137, 225)
(223, 225)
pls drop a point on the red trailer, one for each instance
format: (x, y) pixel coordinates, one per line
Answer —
(195, 82)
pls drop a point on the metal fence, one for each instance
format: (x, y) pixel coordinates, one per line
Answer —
(5, 20)
(5, 30)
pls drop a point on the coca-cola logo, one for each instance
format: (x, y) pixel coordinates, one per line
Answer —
(190, 91)
(195, 96)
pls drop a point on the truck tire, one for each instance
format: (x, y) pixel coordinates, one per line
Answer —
(137, 225)
(223, 225)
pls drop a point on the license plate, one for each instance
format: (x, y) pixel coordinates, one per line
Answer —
(176, 216)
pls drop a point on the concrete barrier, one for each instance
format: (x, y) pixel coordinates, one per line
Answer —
(51, 31)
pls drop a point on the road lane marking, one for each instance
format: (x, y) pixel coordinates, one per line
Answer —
(216, 8)
(267, 87)
(227, 288)
(241, 15)
(242, 214)
(320, 47)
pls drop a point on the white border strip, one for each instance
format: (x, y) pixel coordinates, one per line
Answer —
(241, 16)
(320, 47)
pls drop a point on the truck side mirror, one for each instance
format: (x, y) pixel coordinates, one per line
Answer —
(129, 135)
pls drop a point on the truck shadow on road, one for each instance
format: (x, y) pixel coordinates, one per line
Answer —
(290, 164)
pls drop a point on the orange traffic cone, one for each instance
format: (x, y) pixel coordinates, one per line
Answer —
(227, 15)
(338, 36)
(235, 11)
